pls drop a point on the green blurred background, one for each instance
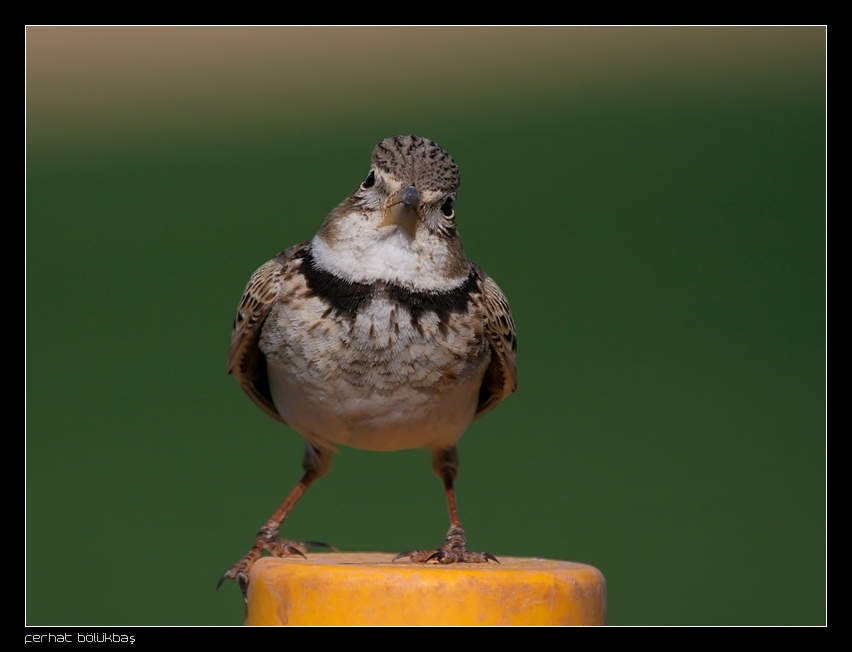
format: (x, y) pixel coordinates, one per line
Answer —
(652, 202)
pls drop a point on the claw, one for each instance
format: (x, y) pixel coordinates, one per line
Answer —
(290, 550)
(417, 556)
(319, 544)
(242, 580)
(454, 551)
(403, 555)
(268, 541)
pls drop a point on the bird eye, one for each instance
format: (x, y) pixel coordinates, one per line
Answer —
(370, 181)
(447, 207)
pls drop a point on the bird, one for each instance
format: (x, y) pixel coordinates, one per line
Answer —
(377, 334)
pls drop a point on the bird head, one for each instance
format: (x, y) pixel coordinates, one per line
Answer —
(399, 224)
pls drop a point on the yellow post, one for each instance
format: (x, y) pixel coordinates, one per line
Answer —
(367, 589)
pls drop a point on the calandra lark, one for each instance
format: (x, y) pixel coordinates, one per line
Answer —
(378, 333)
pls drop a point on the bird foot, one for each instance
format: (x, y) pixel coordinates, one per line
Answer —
(278, 547)
(454, 551)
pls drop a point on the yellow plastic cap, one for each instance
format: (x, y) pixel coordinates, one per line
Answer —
(367, 589)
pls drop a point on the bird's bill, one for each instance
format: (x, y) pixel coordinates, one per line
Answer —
(403, 210)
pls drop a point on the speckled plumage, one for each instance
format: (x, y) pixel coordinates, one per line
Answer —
(378, 333)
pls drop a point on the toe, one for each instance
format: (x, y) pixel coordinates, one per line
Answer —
(417, 556)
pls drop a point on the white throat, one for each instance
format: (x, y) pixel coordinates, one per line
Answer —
(364, 254)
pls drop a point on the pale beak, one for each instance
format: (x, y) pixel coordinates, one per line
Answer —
(404, 209)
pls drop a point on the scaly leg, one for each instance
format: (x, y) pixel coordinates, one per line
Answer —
(316, 464)
(445, 464)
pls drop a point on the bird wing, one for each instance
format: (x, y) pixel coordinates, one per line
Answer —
(501, 377)
(246, 362)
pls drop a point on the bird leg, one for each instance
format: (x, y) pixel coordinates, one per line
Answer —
(445, 464)
(316, 464)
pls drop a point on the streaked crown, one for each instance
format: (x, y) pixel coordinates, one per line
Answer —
(410, 158)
